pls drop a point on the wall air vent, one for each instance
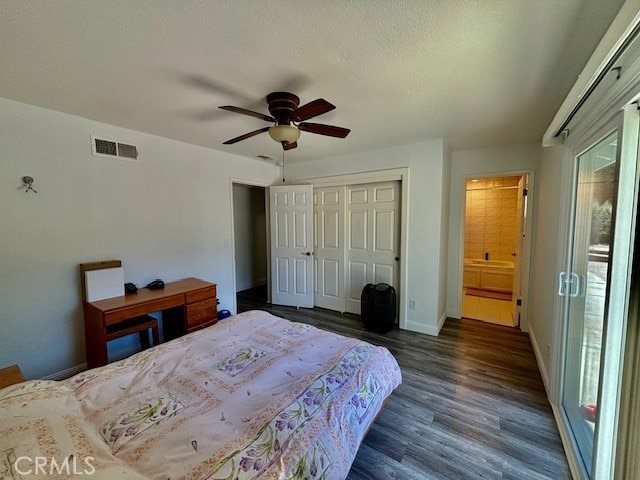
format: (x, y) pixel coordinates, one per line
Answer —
(102, 147)
(128, 151)
(105, 147)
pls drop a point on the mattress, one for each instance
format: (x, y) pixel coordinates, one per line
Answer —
(255, 396)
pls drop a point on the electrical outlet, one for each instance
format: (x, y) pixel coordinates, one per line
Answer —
(412, 304)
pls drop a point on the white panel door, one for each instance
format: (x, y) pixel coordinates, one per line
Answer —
(328, 247)
(291, 209)
(373, 238)
(521, 209)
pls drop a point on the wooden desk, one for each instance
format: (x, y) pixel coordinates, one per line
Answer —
(186, 306)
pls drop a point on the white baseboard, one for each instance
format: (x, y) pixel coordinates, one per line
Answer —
(252, 284)
(443, 319)
(454, 314)
(432, 330)
(116, 355)
(67, 372)
(539, 359)
(570, 448)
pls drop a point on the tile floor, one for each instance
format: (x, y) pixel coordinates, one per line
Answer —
(487, 310)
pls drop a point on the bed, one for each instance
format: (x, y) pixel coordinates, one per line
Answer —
(254, 396)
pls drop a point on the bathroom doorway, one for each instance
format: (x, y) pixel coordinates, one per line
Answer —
(494, 247)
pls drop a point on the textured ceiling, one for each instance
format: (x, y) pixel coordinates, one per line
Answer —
(475, 72)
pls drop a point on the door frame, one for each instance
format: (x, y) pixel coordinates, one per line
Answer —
(528, 227)
(374, 176)
(253, 183)
(577, 242)
(606, 451)
(565, 245)
(520, 247)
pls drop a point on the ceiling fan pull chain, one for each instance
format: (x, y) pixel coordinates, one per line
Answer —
(283, 162)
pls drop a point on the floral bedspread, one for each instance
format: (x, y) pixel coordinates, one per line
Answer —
(254, 396)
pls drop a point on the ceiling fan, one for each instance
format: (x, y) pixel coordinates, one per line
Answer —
(289, 119)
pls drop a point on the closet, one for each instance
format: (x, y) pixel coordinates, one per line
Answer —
(356, 241)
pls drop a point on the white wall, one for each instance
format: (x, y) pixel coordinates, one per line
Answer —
(166, 215)
(250, 236)
(425, 162)
(543, 286)
(480, 162)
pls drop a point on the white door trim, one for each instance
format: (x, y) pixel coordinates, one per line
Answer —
(401, 174)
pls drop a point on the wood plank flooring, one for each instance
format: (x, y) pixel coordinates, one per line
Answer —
(471, 403)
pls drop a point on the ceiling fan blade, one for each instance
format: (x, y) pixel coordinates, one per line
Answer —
(251, 113)
(245, 136)
(311, 109)
(321, 129)
(216, 86)
(289, 146)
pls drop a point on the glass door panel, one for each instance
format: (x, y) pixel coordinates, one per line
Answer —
(586, 287)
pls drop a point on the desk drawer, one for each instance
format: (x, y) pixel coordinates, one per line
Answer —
(201, 312)
(115, 316)
(201, 294)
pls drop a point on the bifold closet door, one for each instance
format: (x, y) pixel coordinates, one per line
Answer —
(373, 237)
(328, 242)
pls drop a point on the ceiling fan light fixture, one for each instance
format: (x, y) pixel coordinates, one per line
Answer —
(284, 133)
(288, 119)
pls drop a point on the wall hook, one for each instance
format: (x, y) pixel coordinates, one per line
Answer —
(28, 181)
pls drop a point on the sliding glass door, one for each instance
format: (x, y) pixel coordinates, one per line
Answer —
(586, 288)
(596, 288)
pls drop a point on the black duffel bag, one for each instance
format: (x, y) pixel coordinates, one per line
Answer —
(378, 307)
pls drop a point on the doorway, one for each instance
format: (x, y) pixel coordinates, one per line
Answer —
(250, 240)
(494, 244)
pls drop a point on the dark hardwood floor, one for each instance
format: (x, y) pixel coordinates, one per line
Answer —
(471, 403)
